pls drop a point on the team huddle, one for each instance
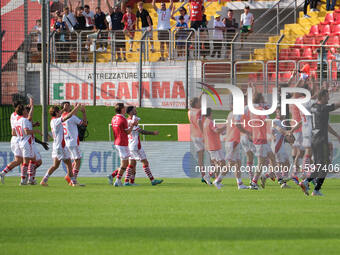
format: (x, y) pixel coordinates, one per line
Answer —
(64, 127)
(267, 139)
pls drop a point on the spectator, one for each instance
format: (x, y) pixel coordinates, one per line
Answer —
(230, 30)
(181, 36)
(37, 34)
(80, 18)
(204, 35)
(54, 19)
(89, 16)
(164, 15)
(69, 18)
(146, 22)
(218, 36)
(182, 12)
(129, 20)
(196, 13)
(329, 6)
(60, 27)
(116, 27)
(247, 21)
(100, 23)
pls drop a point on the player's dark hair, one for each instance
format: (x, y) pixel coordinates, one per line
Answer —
(20, 109)
(182, 8)
(258, 98)
(53, 111)
(129, 109)
(119, 107)
(193, 102)
(209, 110)
(230, 10)
(86, 6)
(128, 7)
(63, 104)
(246, 7)
(322, 93)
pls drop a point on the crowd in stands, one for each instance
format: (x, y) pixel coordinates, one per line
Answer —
(121, 20)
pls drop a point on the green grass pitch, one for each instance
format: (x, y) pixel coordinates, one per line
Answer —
(181, 216)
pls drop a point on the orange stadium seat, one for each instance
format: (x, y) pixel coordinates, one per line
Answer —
(284, 53)
(308, 54)
(329, 19)
(299, 42)
(308, 41)
(294, 54)
(314, 30)
(333, 40)
(325, 29)
(336, 29)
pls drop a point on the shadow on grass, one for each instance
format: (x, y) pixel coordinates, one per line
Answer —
(171, 233)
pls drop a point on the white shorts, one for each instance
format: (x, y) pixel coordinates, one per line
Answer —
(307, 141)
(27, 150)
(124, 152)
(138, 154)
(37, 155)
(60, 154)
(217, 155)
(246, 144)
(232, 151)
(198, 143)
(74, 152)
(15, 148)
(281, 156)
(262, 150)
(298, 140)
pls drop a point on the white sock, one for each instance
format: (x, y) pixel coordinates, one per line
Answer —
(239, 181)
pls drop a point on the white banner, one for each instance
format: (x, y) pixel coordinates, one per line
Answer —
(163, 86)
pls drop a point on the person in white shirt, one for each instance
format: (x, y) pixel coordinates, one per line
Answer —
(136, 149)
(163, 24)
(69, 19)
(71, 136)
(24, 130)
(59, 152)
(247, 22)
(182, 12)
(89, 16)
(218, 36)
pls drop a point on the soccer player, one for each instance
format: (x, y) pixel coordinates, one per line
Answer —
(136, 150)
(232, 147)
(71, 136)
(259, 136)
(196, 134)
(280, 134)
(212, 143)
(121, 129)
(59, 151)
(24, 130)
(320, 120)
(14, 146)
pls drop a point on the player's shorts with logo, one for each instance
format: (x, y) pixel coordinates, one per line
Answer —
(217, 155)
(138, 154)
(262, 150)
(27, 150)
(198, 143)
(123, 151)
(60, 153)
(74, 152)
(232, 151)
(298, 140)
(15, 148)
(246, 144)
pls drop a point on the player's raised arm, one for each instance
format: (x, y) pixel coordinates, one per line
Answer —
(111, 10)
(171, 4)
(154, 5)
(73, 112)
(333, 132)
(30, 114)
(83, 110)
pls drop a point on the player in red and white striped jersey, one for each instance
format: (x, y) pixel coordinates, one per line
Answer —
(196, 135)
(14, 146)
(136, 149)
(59, 151)
(71, 136)
(24, 130)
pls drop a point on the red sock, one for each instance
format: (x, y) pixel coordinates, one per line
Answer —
(128, 173)
(119, 177)
(24, 169)
(31, 168)
(148, 172)
(115, 172)
(132, 178)
(75, 172)
(7, 169)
